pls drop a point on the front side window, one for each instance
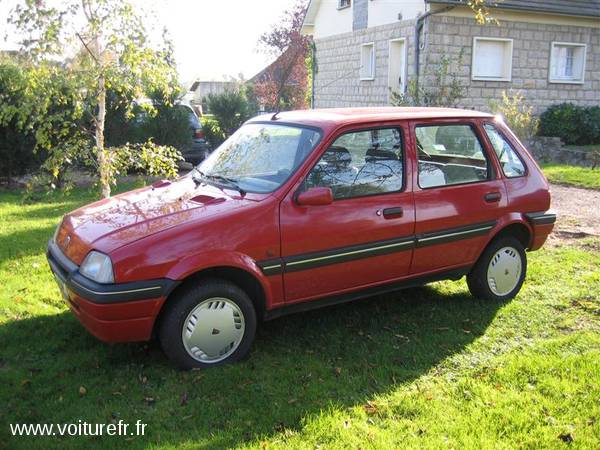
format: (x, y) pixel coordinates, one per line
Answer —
(260, 157)
(361, 163)
(449, 154)
(567, 63)
(512, 166)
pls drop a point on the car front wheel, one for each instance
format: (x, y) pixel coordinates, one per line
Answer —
(208, 324)
(500, 271)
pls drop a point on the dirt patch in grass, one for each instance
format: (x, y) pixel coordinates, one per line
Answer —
(578, 214)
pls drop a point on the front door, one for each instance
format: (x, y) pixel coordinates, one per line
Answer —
(458, 193)
(365, 236)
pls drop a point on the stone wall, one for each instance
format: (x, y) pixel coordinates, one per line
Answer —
(552, 150)
(337, 81)
(446, 35)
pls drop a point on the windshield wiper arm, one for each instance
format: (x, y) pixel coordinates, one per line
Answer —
(226, 181)
(198, 179)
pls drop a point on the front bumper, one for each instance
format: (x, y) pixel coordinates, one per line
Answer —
(120, 312)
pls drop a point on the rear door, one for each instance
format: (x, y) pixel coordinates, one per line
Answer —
(365, 236)
(458, 194)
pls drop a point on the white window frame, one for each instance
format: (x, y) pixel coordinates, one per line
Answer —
(367, 76)
(578, 80)
(507, 64)
(344, 6)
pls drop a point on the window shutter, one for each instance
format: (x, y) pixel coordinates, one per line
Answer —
(489, 61)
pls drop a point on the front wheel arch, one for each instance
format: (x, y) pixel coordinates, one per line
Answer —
(241, 278)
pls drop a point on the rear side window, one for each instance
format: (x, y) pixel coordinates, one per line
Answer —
(511, 163)
(450, 154)
(361, 163)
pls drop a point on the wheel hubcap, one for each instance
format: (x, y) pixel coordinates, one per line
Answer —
(504, 271)
(213, 330)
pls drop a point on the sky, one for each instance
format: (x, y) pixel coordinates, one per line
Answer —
(213, 39)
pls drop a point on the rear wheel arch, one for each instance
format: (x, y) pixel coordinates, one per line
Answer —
(518, 230)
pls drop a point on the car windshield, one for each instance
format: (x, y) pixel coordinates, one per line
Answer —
(260, 157)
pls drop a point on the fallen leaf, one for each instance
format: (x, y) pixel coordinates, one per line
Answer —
(184, 399)
(149, 400)
(338, 371)
(292, 400)
(370, 408)
(26, 381)
(82, 391)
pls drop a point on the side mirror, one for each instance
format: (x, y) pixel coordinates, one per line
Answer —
(316, 196)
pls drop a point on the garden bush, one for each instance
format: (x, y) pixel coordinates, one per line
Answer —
(17, 142)
(573, 124)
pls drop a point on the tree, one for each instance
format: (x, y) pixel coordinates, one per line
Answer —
(284, 83)
(114, 54)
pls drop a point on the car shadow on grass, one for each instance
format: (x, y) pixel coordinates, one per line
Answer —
(52, 371)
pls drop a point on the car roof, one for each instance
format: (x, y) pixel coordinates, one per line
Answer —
(345, 116)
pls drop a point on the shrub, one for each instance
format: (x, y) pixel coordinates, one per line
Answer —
(516, 114)
(212, 131)
(230, 109)
(573, 124)
(17, 142)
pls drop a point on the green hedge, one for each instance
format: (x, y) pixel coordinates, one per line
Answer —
(573, 124)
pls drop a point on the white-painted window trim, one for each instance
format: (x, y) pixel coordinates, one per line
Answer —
(574, 80)
(341, 5)
(367, 76)
(506, 63)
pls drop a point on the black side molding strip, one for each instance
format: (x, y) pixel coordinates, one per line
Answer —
(271, 266)
(313, 260)
(454, 234)
(68, 272)
(453, 274)
(540, 218)
(351, 253)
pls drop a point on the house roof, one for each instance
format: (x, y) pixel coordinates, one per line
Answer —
(347, 116)
(586, 8)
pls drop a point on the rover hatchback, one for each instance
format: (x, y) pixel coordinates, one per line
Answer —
(299, 210)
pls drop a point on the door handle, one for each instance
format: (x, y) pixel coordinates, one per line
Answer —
(492, 197)
(392, 213)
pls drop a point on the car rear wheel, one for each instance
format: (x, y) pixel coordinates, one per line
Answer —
(500, 271)
(208, 324)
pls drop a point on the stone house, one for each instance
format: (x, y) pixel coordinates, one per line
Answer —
(547, 49)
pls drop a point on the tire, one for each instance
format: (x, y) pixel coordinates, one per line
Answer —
(208, 324)
(500, 271)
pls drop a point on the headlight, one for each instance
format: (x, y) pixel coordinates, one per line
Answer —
(98, 267)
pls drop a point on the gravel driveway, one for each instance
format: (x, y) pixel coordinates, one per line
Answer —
(578, 213)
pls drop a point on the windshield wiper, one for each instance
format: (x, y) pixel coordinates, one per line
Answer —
(226, 181)
(198, 176)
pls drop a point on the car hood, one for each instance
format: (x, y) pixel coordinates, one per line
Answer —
(111, 223)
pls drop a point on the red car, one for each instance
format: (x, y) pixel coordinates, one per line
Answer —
(299, 210)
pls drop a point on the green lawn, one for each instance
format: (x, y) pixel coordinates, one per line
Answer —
(429, 367)
(572, 175)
